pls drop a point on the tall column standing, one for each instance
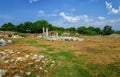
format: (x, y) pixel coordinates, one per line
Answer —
(43, 32)
(46, 32)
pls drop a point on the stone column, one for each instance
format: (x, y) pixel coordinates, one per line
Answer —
(43, 35)
(46, 32)
(57, 35)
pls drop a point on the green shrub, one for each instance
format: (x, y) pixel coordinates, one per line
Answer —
(9, 35)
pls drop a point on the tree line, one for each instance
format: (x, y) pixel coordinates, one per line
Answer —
(36, 27)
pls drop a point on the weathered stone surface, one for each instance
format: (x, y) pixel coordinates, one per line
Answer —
(2, 42)
(2, 72)
(16, 76)
(9, 41)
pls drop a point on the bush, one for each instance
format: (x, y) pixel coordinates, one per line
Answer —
(9, 35)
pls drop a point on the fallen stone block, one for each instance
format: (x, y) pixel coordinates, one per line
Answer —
(2, 42)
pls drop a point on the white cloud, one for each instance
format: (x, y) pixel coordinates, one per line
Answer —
(42, 13)
(84, 20)
(106, 22)
(108, 5)
(115, 11)
(112, 10)
(73, 19)
(31, 1)
(69, 18)
(101, 18)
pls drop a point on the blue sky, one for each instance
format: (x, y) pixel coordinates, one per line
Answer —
(64, 13)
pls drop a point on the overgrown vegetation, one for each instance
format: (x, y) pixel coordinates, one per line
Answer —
(36, 27)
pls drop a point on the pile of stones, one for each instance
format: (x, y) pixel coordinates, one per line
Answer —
(15, 63)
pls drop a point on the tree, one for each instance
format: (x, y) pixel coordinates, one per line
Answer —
(98, 31)
(21, 28)
(107, 30)
(39, 25)
(81, 30)
(28, 26)
(90, 31)
(71, 29)
(8, 27)
(117, 32)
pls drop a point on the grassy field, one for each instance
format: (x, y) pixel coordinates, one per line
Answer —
(94, 57)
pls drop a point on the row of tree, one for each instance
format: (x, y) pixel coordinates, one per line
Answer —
(36, 27)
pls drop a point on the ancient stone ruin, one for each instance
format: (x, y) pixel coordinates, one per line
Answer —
(55, 37)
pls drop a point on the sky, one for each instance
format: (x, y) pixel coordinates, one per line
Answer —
(62, 13)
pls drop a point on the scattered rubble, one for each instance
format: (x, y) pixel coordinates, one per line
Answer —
(8, 34)
(2, 42)
(17, 36)
(9, 41)
(15, 63)
(16, 76)
(3, 72)
(114, 35)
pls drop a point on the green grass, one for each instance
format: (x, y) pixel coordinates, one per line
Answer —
(62, 55)
(109, 70)
(68, 66)
(50, 49)
(32, 42)
(32, 75)
(74, 71)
